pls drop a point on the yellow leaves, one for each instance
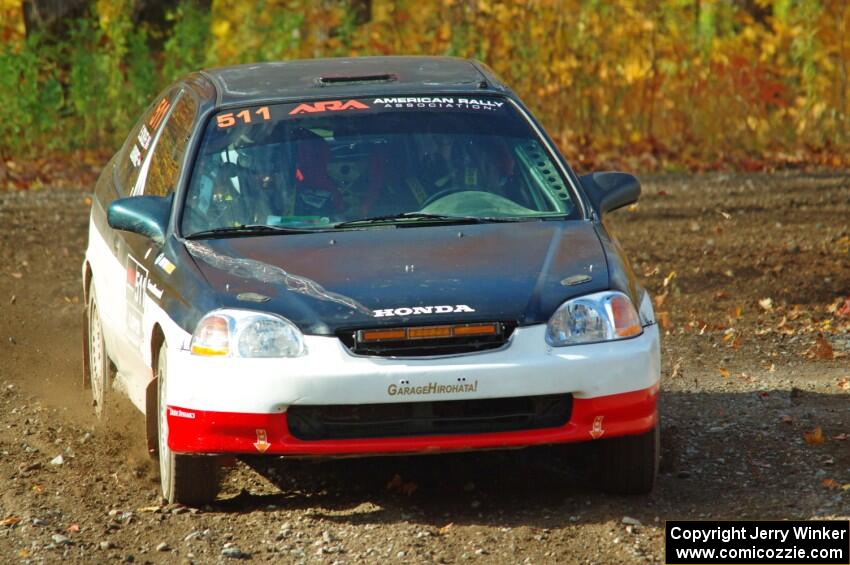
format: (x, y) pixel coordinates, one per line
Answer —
(724, 372)
(634, 70)
(814, 437)
(12, 20)
(766, 304)
(221, 29)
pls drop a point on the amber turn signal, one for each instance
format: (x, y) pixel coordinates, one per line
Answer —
(427, 332)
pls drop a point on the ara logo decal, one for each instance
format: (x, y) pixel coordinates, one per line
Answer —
(596, 431)
(416, 310)
(328, 106)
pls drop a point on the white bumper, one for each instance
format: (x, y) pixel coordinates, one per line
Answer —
(330, 374)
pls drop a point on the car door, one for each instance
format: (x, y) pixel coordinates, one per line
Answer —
(106, 250)
(146, 265)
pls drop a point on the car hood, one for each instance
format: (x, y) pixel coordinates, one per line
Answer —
(379, 277)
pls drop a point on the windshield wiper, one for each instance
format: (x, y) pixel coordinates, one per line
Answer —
(249, 230)
(423, 216)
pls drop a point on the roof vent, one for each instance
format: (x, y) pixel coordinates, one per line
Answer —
(362, 79)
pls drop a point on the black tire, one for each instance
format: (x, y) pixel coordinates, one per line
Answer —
(628, 464)
(185, 479)
(99, 367)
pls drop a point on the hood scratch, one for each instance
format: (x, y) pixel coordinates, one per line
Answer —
(270, 274)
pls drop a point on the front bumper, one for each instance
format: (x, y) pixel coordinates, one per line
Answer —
(231, 405)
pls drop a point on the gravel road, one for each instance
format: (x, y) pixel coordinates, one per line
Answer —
(750, 274)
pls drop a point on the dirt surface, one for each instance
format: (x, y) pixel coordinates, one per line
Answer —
(750, 275)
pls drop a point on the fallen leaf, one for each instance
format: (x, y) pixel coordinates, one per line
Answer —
(830, 484)
(814, 437)
(724, 372)
(445, 529)
(843, 383)
(738, 311)
(669, 278)
(73, 528)
(37, 488)
(404, 487)
(840, 437)
(10, 521)
(766, 304)
(822, 349)
(677, 369)
(150, 509)
(17, 275)
(844, 310)
(729, 273)
(786, 419)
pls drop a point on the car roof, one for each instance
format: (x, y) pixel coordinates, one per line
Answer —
(348, 77)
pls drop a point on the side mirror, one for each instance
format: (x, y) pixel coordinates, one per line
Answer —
(145, 215)
(609, 191)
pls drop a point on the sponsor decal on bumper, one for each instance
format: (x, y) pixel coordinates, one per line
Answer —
(431, 388)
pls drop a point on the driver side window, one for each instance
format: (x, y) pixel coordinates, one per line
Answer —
(164, 168)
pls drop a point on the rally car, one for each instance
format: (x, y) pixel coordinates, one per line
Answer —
(362, 256)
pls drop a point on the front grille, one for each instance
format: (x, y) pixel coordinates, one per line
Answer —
(429, 418)
(427, 347)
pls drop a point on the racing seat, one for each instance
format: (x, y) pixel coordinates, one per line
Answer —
(315, 191)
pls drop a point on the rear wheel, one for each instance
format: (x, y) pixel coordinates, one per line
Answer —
(185, 479)
(99, 367)
(629, 464)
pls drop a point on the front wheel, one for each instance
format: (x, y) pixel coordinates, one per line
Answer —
(185, 479)
(629, 464)
(99, 368)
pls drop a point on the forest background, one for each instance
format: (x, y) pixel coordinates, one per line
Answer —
(647, 85)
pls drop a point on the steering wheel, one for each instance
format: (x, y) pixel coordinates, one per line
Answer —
(442, 194)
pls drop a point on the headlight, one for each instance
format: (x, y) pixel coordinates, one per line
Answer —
(242, 333)
(604, 316)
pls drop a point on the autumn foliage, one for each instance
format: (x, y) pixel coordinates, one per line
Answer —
(643, 84)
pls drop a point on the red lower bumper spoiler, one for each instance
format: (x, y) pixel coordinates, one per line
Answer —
(203, 432)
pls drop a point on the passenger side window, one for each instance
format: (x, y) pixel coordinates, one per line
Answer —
(168, 153)
(136, 147)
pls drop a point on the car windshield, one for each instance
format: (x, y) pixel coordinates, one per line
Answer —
(380, 160)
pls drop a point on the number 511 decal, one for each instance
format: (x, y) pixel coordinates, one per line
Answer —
(230, 119)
